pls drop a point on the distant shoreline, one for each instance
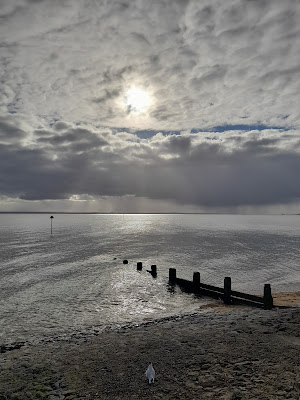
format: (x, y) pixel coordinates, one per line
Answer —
(133, 213)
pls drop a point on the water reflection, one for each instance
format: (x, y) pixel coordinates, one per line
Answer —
(171, 287)
(77, 279)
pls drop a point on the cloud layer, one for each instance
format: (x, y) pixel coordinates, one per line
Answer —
(222, 130)
(202, 169)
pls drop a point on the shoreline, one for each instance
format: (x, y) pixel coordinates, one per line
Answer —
(281, 300)
(289, 299)
(220, 352)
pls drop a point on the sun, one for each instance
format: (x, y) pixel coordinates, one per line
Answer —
(137, 100)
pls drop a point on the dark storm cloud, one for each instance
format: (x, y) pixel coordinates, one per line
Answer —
(25, 172)
(244, 169)
(210, 177)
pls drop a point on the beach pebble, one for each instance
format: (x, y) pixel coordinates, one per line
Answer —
(205, 366)
(67, 393)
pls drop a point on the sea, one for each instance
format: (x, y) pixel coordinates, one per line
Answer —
(74, 279)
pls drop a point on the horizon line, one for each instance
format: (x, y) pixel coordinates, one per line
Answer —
(139, 213)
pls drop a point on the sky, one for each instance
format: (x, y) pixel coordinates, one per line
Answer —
(150, 106)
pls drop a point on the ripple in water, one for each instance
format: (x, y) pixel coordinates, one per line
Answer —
(76, 280)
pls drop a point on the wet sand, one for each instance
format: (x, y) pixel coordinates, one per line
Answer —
(221, 352)
(287, 299)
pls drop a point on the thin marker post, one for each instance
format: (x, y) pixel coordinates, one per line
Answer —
(51, 218)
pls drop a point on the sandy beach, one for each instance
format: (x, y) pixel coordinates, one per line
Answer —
(221, 352)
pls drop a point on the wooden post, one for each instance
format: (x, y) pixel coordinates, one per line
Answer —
(153, 270)
(227, 290)
(139, 266)
(51, 218)
(196, 281)
(172, 275)
(268, 299)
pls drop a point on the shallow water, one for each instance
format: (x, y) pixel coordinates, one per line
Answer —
(75, 279)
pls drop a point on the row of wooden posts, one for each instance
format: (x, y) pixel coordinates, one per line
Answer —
(228, 295)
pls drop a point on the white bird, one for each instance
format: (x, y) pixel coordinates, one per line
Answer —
(150, 373)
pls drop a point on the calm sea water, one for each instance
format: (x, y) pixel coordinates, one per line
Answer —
(76, 280)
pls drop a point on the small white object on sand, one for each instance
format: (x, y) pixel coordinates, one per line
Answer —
(150, 373)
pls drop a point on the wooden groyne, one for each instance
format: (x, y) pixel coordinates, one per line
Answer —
(228, 295)
(225, 293)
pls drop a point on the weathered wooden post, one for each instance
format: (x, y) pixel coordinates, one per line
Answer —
(268, 299)
(227, 290)
(139, 266)
(51, 218)
(196, 282)
(153, 270)
(172, 275)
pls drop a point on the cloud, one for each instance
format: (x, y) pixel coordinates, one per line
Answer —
(232, 170)
(205, 63)
(222, 129)
(10, 131)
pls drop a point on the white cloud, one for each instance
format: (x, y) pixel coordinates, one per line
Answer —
(205, 63)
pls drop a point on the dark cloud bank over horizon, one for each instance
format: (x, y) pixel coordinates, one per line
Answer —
(245, 168)
(221, 131)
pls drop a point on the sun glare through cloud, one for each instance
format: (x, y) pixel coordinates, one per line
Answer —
(137, 100)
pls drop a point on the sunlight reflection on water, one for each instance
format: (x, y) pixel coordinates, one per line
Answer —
(76, 279)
